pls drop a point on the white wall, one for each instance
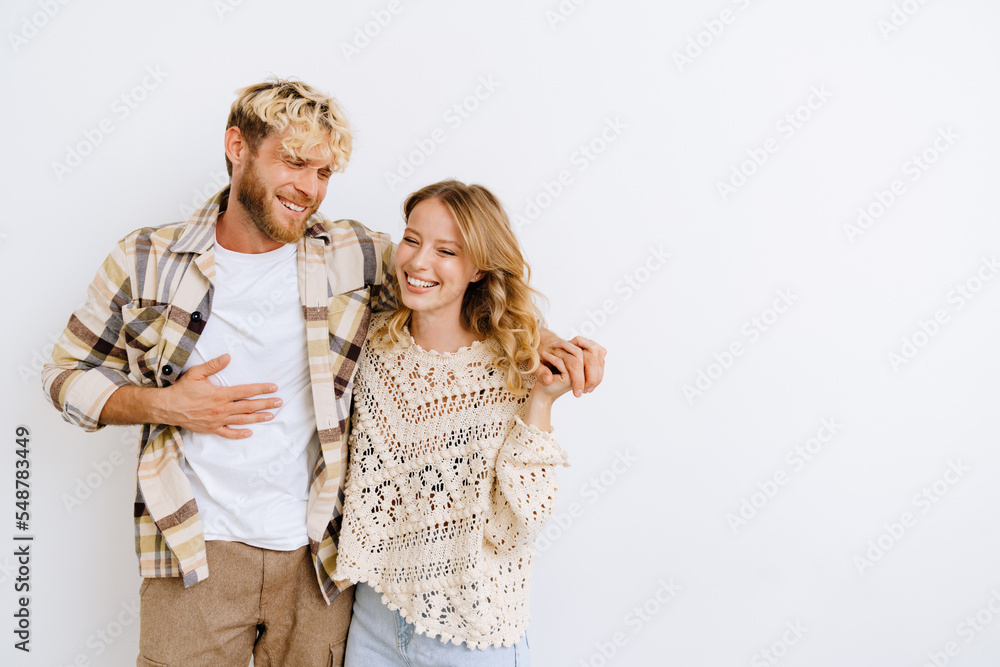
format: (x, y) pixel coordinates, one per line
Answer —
(659, 476)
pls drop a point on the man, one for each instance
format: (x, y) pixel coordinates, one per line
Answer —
(181, 324)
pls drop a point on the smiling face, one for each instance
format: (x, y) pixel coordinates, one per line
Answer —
(278, 192)
(432, 266)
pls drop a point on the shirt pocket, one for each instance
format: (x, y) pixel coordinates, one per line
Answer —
(348, 315)
(142, 328)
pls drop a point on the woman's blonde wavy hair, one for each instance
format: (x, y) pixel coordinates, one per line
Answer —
(318, 127)
(499, 307)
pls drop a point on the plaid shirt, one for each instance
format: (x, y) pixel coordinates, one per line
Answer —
(145, 310)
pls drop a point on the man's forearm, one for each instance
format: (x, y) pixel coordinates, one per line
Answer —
(133, 405)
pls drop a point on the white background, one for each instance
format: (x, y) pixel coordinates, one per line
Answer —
(825, 551)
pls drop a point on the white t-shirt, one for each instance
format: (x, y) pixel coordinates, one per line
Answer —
(256, 490)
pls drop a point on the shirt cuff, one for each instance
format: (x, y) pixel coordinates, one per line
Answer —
(87, 394)
(533, 445)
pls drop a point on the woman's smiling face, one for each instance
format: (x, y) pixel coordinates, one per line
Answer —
(432, 265)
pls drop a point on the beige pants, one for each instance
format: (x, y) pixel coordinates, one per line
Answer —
(254, 601)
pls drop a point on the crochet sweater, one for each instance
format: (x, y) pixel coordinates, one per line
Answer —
(447, 490)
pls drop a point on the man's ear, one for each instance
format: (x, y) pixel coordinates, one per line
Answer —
(236, 147)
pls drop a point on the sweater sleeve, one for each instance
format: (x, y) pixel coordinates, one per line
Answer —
(524, 489)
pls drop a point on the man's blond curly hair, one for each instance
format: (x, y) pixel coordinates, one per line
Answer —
(316, 125)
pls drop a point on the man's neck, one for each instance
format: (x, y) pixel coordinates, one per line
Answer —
(235, 231)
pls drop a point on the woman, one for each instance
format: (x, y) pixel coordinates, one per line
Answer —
(452, 455)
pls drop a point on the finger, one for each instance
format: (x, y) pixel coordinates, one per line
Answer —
(210, 367)
(249, 418)
(587, 345)
(593, 370)
(569, 347)
(555, 361)
(244, 391)
(544, 374)
(559, 365)
(256, 405)
(593, 362)
(573, 358)
(233, 433)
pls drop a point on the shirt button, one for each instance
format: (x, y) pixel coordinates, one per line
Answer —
(168, 369)
(196, 316)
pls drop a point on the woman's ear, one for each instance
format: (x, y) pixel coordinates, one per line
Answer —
(479, 276)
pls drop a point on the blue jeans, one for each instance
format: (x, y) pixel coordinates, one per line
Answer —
(380, 637)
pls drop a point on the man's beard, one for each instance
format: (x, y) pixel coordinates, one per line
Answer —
(258, 204)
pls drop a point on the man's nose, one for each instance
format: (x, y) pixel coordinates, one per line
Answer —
(308, 183)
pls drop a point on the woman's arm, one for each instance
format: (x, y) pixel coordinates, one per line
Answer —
(524, 490)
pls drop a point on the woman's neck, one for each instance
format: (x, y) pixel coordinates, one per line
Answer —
(440, 334)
